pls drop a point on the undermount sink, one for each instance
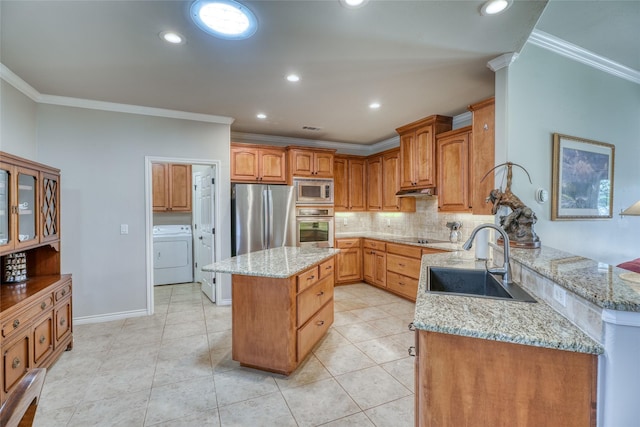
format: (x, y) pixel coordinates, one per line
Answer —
(475, 283)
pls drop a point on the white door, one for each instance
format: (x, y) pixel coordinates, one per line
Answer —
(206, 252)
(196, 225)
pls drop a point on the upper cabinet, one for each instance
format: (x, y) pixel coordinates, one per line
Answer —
(316, 163)
(374, 183)
(349, 184)
(452, 153)
(251, 163)
(171, 187)
(482, 154)
(390, 184)
(418, 150)
(29, 204)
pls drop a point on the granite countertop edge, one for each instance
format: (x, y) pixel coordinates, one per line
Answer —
(403, 240)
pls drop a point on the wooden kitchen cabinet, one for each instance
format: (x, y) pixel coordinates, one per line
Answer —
(349, 184)
(316, 163)
(390, 184)
(374, 183)
(464, 381)
(418, 150)
(454, 185)
(482, 155)
(374, 262)
(348, 261)
(254, 163)
(171, 187)
(277, 322)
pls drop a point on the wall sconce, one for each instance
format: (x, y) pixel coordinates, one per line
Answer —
(633, 210)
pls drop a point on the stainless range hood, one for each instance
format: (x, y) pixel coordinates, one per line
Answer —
(423, 193)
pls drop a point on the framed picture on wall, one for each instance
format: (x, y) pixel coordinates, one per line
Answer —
(582, 178)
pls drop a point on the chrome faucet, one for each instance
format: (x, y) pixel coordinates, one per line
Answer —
(505, 271)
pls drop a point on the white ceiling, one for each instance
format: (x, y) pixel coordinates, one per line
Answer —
(416, 58)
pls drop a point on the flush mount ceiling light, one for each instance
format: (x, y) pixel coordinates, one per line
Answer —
(493, 7)
(293, 78)
(225, 19)
(374, 105)
(353, 4)
(172, 37)
(261, 116)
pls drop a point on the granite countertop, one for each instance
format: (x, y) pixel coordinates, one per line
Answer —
(594, 281)
(277, 263)
(535, 324)
(404, 240)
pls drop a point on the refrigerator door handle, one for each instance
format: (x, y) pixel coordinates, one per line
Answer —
(268, 220)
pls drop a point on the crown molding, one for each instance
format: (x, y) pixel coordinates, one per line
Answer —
(502, 61)
(10, 77)
(569, 50)
(462, 120)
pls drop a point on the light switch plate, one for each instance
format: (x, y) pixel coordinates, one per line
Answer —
(124, 228)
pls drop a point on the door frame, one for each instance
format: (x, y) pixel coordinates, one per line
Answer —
(148, 191)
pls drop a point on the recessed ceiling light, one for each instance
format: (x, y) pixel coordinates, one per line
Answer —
(226, 19)
(172, 37)
(493, 7)
(353, 4)
(261, 116)
(374, 105)
(293, 78)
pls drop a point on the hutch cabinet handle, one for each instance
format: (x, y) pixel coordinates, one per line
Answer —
(43, 305)
(412, 351)
(320, 322)
(16, 323)
(16, 363)
(42, 339)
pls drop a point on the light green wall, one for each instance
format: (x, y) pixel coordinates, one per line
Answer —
(17, 122)
(546, 93)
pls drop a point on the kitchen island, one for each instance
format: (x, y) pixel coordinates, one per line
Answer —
(281, 302)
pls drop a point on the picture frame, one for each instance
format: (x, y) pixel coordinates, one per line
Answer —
(582, 182)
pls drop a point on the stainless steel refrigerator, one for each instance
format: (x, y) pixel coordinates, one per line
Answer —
(262, 217)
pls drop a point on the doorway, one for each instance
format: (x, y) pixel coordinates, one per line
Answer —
(204, 219)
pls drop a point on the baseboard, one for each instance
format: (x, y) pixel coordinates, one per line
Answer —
(84, 320)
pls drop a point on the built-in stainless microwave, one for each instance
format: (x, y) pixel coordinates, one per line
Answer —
(314, 191)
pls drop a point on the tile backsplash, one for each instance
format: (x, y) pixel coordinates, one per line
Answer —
(424, 222)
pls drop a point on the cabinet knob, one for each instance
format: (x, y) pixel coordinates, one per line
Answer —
(412, 351)
(16, 323)
(16, 362)
(64, 292)
(43, 305)
(42, 339)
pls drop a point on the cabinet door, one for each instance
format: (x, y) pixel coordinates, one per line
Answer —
(302, 163)
(42, 338)
(368, 265)
(453, 173)
(357, 195)
(15, 361)
(341, 184)
(160, 181)
(62, 321)
(424, 159)
(349, 260)
(272, 166)
(323, 165)
(407, 143)
(28, 207)
(390, 185)
(244, 164)
(380, 269)
(482, 155)
(50, 209)
(180, 187)
(374, 183)
(7, 232)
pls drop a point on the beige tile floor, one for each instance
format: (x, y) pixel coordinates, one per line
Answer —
(175, 369)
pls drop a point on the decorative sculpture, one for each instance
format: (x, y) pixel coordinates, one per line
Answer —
(518, 224)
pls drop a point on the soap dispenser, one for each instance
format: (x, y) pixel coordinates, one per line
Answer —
(454, 231)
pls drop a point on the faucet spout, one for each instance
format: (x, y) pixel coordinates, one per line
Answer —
(505, 271)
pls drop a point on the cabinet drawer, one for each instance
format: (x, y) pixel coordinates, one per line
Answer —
(405, 250)
(426, 251)
(42, 339)
(347, 243)
(65, 290)
(313, 298)
(403, 265)
(307, 278)
(314, 329)
(21, 319)
(375, 244)
(327, 268)
(15, 361)
(404, 285)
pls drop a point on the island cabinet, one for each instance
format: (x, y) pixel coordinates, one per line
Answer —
(349, 260)
(305, 162)
(464, 381)
(171, 187)
(256, 163)
(35, 310)
(374, 262)
(349, 184)
(418, 151)
(454, 186)
(276, 322)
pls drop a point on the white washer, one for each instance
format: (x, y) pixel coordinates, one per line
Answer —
(172, 254)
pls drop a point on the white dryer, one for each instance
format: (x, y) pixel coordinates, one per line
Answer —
(172, 254)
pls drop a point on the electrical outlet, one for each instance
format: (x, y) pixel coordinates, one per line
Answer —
(560, 295)
(344, 221)
(388, 222)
